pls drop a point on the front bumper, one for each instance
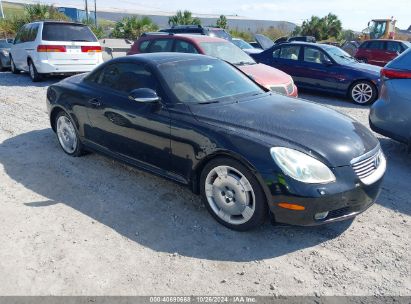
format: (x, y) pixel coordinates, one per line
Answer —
(342, 200)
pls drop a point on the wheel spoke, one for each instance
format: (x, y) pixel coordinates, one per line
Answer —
(247, 213)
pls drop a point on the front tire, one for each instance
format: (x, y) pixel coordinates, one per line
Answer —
(363, 92)
(34, 75)
(13, 68)
(67, 135)
(232, 194)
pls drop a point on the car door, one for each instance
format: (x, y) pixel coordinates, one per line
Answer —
(392, 50)
(318, 71)
(287, 59)
(137, 131)
(377, 54)
(18, 50)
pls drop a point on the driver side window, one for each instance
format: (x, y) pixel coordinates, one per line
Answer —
(314, 55)
(124, 77)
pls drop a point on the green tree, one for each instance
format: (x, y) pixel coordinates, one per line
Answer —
(183, 18)
(39, 11)
(98, 30)
(133, 27)
(222, 22)
(247, 36)
(322, 28)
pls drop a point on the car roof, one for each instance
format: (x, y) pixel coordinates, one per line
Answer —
(192, 37)
(384, 40)
(161, 57)
(57, 21)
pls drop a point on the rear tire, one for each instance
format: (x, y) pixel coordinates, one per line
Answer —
(363, 92)
(232, 194)
(14, 70)
(34, 75)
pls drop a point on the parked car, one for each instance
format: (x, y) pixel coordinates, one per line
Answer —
(199, 121)
(4, 54)
(380, 52)
(324, 68)
(390, 115)
(269, 77)
(245, 46)
(52, 47)
(350, 47)
(199, 30)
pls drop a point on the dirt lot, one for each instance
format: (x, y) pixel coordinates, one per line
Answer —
(92, 226)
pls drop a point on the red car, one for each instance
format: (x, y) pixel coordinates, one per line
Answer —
(271, 78)
(380, 52)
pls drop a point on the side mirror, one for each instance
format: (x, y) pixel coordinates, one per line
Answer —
(327, 62)
(144, 95)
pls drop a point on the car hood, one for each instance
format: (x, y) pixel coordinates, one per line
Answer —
(367, 68)
(279, 120)
(265, 75)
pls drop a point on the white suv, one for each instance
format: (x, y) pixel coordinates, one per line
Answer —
(52, 47)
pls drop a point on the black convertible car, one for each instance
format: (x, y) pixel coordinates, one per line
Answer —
(201, 122)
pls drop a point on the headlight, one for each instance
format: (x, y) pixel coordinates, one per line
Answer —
(5, 53)
(301, 167)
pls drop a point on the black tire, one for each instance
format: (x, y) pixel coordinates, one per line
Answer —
(260, 202)
(14, 70)
(34, 75)
(370, 91)
(79, 149)
(2, 68)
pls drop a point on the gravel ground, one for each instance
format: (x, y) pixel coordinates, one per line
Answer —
(92, 226)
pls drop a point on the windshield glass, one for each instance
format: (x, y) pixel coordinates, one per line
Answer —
(226, 51)
(206, 80)
(242, 44)
(220, 34)
(67, 32)
(339, 55)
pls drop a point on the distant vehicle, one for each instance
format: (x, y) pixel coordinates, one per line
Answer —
(380, 52)
(390, 115)
(379, 29)
(5, 46)
(199, 121)
(52, 47)
(350, 47)
(198, 29)
(302, 39)
(245, 46)
(270, 78)
(324, 68)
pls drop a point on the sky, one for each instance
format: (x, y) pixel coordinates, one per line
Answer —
(354, 14)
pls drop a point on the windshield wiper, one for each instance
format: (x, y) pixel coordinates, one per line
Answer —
(208, 102)
(244, 63)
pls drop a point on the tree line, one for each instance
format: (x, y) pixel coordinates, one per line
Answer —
(326, 28)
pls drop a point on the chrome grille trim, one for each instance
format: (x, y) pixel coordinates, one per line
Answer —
(371, 166)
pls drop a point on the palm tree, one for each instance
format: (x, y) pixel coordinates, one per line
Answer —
(183, 18)
(39, 11)
(222, 22)
(133, 27)
(332, 25)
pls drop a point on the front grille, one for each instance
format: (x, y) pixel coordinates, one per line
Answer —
(290, 88)
(338, 213)
(279, 89)
(368, 164)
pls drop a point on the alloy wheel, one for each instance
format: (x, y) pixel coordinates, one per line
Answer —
(66, 134)
(230, 195)
(362, 93)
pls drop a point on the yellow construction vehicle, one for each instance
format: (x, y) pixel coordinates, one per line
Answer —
(379, 29)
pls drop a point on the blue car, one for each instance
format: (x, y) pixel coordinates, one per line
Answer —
(390, 115)
(324, 68)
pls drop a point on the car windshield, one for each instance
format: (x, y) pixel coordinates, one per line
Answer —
(242, 44)
(206, 80)
(227, 51)
(220, 34)
(339, 55)
(67, 32)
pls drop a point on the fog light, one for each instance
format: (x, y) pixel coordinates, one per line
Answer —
(321, 215)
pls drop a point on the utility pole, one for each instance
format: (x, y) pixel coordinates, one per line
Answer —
(86, 10)
(95, 12)
(1, 9)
